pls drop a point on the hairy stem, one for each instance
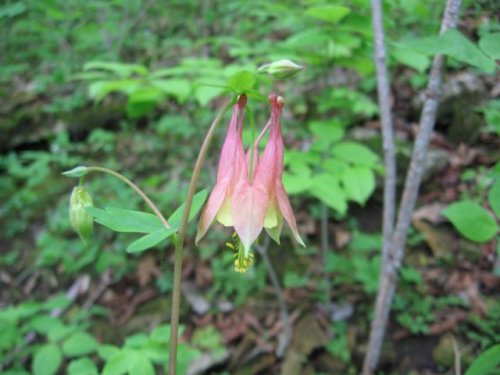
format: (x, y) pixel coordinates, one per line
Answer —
(179, 241)
(137, 190)
(389, 275)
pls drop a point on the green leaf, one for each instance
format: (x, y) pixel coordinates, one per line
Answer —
(161, 334)
(47, 360)
(127, 221)
(204, 94)
(82, 366)
(107, 351)
(141, 365)
(355, 153)
(494, 198)
(241, 81)
(98, 90)
(335, 166)
(327, 189)
(13, 9)
(58, 332)
(295, 184)
(487, 363)
(462, 49)
(454, 44)
(359, 183)
(44, 323)
(120, 69)
(326, 132)
(199, 198)
(137, 340)
(117, 364)
(148, 95)
(150, 240)
(406, 56)
(328, 13)
(79, 343)
(490, 44)
(471, 220)
(176, 87)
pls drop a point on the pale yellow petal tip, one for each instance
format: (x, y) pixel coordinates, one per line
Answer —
(299, 240)
(198, 238)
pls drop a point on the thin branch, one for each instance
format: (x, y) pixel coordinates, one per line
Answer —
(389, 209)
(325, 245)
(392, 263)
(456, 351)
(104, 283)
(284, 339)
(384, 100)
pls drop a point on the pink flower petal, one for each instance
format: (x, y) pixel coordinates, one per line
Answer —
(249, 209)
(210, 210)
(287, 212)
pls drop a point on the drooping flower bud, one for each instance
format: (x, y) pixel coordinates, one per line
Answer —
(81, 221)
(76, 172)
(281, 69)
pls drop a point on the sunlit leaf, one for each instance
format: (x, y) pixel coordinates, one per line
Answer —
(359, 183)
(490, 44)
(121, 220)
(488, 363)
(471, 220)
(149, 240)
(79, 343)
(47, 360)
(327, 189)
(329, 13)
(241, 81)
(198, 200)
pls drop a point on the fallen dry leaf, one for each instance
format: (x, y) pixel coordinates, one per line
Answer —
(146, 270)
(440, 241)
(430, 212)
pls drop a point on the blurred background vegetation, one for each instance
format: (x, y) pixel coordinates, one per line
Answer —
(132, 85)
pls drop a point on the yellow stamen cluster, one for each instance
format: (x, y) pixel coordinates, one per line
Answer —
(241, 263)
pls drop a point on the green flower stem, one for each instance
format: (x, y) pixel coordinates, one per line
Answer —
(179, 242)
(137, 190)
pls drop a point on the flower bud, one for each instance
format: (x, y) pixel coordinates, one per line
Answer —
(81, 221)
(281, 69)
(76, 172)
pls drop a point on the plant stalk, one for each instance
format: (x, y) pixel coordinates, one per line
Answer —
(137, 190)
(179, 241)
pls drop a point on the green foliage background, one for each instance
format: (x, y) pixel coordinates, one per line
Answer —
(133, 84)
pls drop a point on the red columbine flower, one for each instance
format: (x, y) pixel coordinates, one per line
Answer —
(270, 170)
(231, 157)
(249, 193)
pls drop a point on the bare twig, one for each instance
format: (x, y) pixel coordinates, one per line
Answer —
(392, 263)
(286, 336)
(99, 290)
(456, 351)
(385, 102)
(325, 245)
